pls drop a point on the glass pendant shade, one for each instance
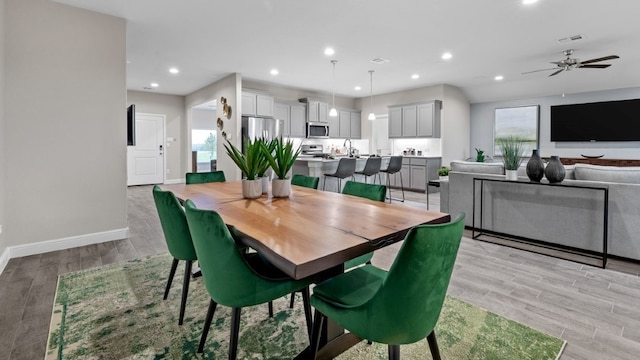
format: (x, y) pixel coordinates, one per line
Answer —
(372, 116)
(333, 112)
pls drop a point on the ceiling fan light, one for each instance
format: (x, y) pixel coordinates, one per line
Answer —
(333, 112)
(372, 116)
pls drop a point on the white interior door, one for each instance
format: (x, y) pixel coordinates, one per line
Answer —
(145, 160)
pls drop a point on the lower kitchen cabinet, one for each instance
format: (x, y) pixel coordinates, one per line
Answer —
(416, 172)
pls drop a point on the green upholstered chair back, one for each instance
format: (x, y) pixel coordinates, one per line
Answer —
(306, 181)
(227, 277)
(407, 306)
(205, 177)
(370, 191)
(174, 225)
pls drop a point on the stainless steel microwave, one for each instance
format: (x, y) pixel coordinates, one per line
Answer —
(317, 130)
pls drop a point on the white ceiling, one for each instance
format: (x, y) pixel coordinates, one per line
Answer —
(208, 40)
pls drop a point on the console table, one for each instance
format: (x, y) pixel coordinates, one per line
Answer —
(479, 230)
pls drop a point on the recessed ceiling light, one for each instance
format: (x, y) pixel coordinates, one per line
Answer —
(155, 85)
(174, 70)
(329, 51)
(498, 77)
(415, 76)
(529, 2)
(274, 72)
(447, 56)
(357, 88)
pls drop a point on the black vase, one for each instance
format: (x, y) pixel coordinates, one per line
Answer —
(535, 167)
(554, 170)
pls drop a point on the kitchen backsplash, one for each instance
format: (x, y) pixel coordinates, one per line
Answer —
(429, 147)
(361, 144)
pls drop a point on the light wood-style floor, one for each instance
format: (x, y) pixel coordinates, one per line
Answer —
(596, 311)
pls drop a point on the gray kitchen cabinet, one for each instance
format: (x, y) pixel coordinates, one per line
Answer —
(317, 111)
(334, 127)
(323, 112)
(356, 125)
(293, 119)
(405, 173)
(416, 172)
(298, 121)
(344, 121)
(415, 120)
(254, 104)
(395, 122)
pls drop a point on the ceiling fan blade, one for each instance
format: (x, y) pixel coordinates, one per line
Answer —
(534, 71)
(595, 66)
(610, 57)
(557, 72)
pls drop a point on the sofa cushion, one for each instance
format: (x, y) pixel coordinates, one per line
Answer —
(615, 174)
(478, 167)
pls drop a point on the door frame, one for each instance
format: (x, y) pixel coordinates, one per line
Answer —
(164, 144)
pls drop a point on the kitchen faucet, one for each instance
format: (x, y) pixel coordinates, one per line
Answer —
(349, 149)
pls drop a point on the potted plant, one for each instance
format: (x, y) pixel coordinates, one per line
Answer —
(479, 155)
(512, 149)
(281, 158)
(262, 172)
(250, 163)
(443, 173)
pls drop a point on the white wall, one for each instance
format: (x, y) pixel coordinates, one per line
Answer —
(172, 106)
(231, 88)
(3, 142)
(65, 103)
(203, 119)
(482, 117)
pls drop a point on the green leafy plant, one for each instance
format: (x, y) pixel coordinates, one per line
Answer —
(512, 149)
(252, 161)
(270, 145)
(281, 157)
(443, 171)
(479, 155)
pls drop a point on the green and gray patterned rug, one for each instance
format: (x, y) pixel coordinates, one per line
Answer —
(117, 312)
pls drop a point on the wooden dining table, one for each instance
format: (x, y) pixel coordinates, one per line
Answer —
(311, 230)
(310, 233)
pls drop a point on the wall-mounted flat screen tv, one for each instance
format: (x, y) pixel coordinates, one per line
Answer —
(598, 121)
(131, 125)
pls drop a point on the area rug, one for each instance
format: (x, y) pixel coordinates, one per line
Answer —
(117, 312)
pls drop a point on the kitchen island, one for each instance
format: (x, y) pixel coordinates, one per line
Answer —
(316, 166)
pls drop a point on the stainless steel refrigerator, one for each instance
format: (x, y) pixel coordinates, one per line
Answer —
(253, 127)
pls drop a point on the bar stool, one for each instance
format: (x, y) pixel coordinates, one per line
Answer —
(395, 165)
(371, 168)
(346, 168)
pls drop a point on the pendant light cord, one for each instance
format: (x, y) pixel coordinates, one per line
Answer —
(372, 116)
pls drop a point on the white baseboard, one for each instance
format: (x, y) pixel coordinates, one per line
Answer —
(60, 244)
(4, 259)
(175, 181)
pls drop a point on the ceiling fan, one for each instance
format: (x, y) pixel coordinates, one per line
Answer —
(574, 63)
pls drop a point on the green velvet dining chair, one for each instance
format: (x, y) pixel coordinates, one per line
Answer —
(372, 192)
(234, 278)
(306, 181)
(400, 306)
(178, 239)
(205, 177)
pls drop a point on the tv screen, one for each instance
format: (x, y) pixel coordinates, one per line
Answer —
(599, 121)
(131, 125)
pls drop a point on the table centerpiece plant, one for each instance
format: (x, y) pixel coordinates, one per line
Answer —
(512, 149)
(251, 162)
(281, 158)
(263, 173)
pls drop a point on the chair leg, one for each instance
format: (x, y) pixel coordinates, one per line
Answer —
(207, 325)
(307, 311)
(401, 187)
(293, 299)
(389, 186)
(315, 334)
(394, 352)
(172, 273)
(270, 309)
(235, 329)
(324, 183)
(433, 345)
(185, 289)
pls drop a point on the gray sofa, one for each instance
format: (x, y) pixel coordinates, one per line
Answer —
(559, 215)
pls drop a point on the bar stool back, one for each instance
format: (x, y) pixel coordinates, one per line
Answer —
(346, 168)
(371, 168)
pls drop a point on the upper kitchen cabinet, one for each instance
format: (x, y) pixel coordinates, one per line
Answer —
(317, 111)
(349, 124)
(293, 118)
(255, 104)
(415, 120)
(356, 125)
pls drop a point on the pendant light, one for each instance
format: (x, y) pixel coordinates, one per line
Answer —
(372, 116)
(333, 112)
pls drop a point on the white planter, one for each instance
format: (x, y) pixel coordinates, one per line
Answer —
(265, 184)
(511, 174)
(443, 178)
(252, 189)
(281, 187)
